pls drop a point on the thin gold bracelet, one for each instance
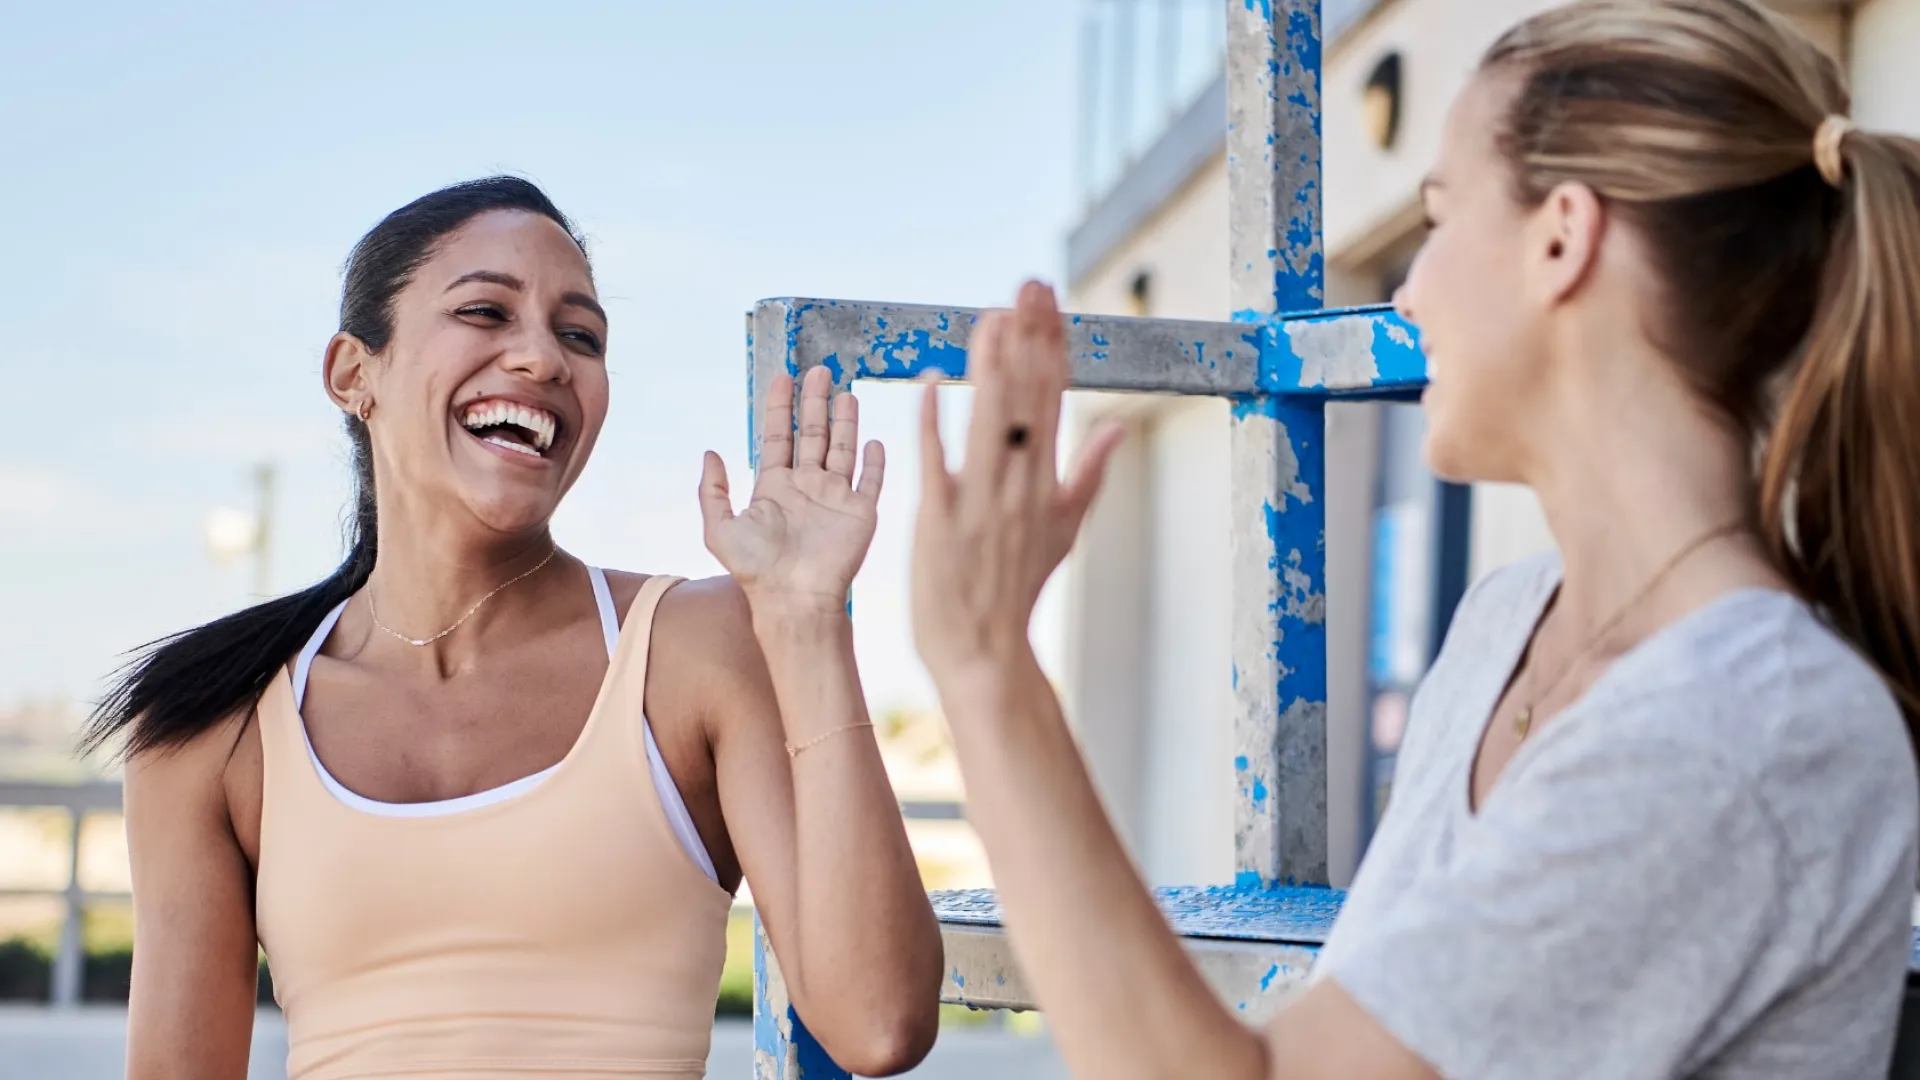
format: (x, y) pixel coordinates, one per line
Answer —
(794, 751)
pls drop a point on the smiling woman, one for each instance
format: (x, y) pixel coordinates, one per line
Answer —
(485, 821)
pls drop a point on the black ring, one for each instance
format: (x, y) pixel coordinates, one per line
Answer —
(1017, 435)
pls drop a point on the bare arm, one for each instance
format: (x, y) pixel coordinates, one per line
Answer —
(818, 833)
(195, 965)
(1121, 996)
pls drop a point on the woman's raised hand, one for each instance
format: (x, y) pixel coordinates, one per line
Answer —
(807, 526)
(989, 536)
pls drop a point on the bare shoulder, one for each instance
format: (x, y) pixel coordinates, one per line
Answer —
(210, 781)
(700, 621)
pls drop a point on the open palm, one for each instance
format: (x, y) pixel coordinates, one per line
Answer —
(807, 526)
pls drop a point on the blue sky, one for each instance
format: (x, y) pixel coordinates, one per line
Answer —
(182, 182)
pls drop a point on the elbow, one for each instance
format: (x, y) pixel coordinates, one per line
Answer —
(892, 1043)
(887, 1034)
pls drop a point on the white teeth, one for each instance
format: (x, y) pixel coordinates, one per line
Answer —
(539, 423)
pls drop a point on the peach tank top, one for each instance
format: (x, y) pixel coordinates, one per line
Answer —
(564, 931)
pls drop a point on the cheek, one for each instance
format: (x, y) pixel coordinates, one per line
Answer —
(591, 387)
(1476, 331)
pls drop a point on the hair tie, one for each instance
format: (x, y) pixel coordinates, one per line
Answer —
(1826, 148)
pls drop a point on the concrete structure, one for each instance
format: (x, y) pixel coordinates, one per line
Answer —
(1150, 588)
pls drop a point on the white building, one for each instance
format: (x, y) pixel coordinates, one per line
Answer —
(1147, 650)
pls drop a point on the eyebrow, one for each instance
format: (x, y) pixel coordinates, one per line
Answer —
(495, 277)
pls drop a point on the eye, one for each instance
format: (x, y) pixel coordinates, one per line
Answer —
(586, 339)
(489, 311)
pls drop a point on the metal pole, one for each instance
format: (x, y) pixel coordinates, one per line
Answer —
(68, 962)
(263, 535)
(1278, 450)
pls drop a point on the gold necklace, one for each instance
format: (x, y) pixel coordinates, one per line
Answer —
(375, 615)
(1523, 720)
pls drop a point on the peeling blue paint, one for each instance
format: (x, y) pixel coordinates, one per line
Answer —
(1240, 763)
(1293, 915)
(1355, 352)
(811, 1062)
(1259, 791)
(1266, 981)
(911, 353)
(1265, 8)
(765, 1034)
(835, 368)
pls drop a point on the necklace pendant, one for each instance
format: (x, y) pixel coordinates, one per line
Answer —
(1523, 721)
(420, 642)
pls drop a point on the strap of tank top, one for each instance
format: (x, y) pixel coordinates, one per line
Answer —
(609, 617)
(304, 661)
(640, 619)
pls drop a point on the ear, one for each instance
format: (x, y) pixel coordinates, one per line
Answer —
(1563, 241)
(348, 370)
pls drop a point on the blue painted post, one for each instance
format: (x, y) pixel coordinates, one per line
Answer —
(1278, 450)
(783, 1048)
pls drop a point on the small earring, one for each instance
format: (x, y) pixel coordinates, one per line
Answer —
(364, 409)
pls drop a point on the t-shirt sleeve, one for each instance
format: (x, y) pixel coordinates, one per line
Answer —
(1598, 918)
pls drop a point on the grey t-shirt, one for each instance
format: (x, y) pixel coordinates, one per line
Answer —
(1703, 867)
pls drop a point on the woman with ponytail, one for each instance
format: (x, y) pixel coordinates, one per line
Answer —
(486, 806)
(1656, 810)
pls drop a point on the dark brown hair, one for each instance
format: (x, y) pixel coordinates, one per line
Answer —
(1792, 286)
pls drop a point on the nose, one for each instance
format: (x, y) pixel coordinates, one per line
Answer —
(538, 355)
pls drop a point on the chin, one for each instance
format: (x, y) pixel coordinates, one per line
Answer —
(1445, 455)
(511, 513)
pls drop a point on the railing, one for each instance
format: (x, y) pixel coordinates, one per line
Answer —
(78, 800)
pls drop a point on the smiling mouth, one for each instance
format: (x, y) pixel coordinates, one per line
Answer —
(522, 429)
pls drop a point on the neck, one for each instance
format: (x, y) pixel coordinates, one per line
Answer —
(1635, 470)
(426, 581)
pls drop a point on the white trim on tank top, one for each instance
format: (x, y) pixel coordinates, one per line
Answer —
(670, 801)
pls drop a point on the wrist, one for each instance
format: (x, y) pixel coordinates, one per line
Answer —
(988, 677)
(779, 609)
(783, 628)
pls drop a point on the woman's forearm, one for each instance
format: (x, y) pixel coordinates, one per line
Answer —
(868, 952)
(1088, 936)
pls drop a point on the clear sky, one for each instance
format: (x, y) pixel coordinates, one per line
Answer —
(179, 184)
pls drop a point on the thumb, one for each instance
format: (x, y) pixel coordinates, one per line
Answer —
(1083, 480)
(716, 505)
